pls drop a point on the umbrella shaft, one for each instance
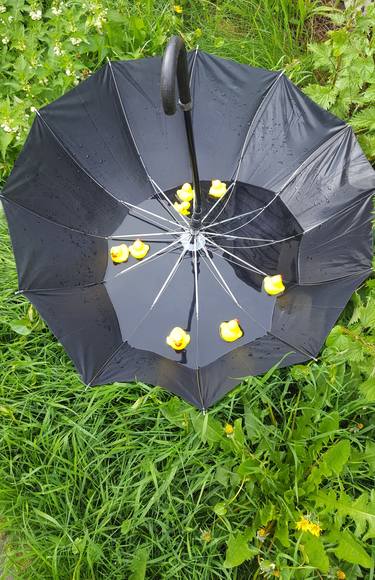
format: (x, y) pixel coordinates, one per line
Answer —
(197, 213)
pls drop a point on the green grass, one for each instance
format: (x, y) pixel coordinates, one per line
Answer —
(125, 481)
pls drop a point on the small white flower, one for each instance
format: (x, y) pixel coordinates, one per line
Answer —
(5, 127)
(33, 109)
(75, 41)
(10, 18)
(35, 14)
(57, 50)
(99, 21)
(68, 72)
(56, 10)
(2, 8)
(5, 40)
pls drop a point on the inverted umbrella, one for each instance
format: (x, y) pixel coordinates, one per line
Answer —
(189, 262)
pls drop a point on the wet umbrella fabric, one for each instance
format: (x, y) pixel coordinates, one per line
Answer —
(101, 167)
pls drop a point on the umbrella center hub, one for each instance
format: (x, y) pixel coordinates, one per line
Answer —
(193, 241)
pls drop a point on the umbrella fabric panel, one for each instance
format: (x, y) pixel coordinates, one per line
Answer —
(289, 130)
(226, 97)
(47, 180)
(52, 256)
(175, 307)
(340, 247)
(337, 177)
(84, 321)
(224, 296)
(160, 139)
(131, 364)
(90, 122)
(133, 293)
(255, 227)
(304, 315)
(256, 358)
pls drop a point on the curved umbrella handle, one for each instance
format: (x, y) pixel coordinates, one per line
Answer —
(175, 64)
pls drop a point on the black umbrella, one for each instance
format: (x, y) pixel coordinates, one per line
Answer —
(141, 278)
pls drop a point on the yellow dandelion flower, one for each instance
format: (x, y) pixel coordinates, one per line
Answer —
(228, 430)
(306, 525)
(303, 524)
(178, 9)
(340, 574)
(315, 529)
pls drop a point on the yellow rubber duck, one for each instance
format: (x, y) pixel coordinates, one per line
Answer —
(186, 193)
(119, 253)
(139, 249)
(273, 284)
(183, 208)
(178, 338)
(217, 189)
(231, 330)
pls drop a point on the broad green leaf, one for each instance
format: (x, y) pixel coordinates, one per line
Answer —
(79, 544)
(238, 551)
(329, 423)
(208, 428)
(220, 509)
(315, 552)
(360, 510)
(367, 389)
(350, 550)
(94, 552)
(323, 95)
(138, 565)
(369, 455)
(239, 436)
(322, 53)
(126, 526)
(282, 530)
(266, 513)
(176, 412)
(367, 142)
(364, 119)
(20, 327)
(5, 141)
(367, 96)
(252, 422)
(331, 462)
(249, 467)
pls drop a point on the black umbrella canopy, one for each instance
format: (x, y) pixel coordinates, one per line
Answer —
(101, 168)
